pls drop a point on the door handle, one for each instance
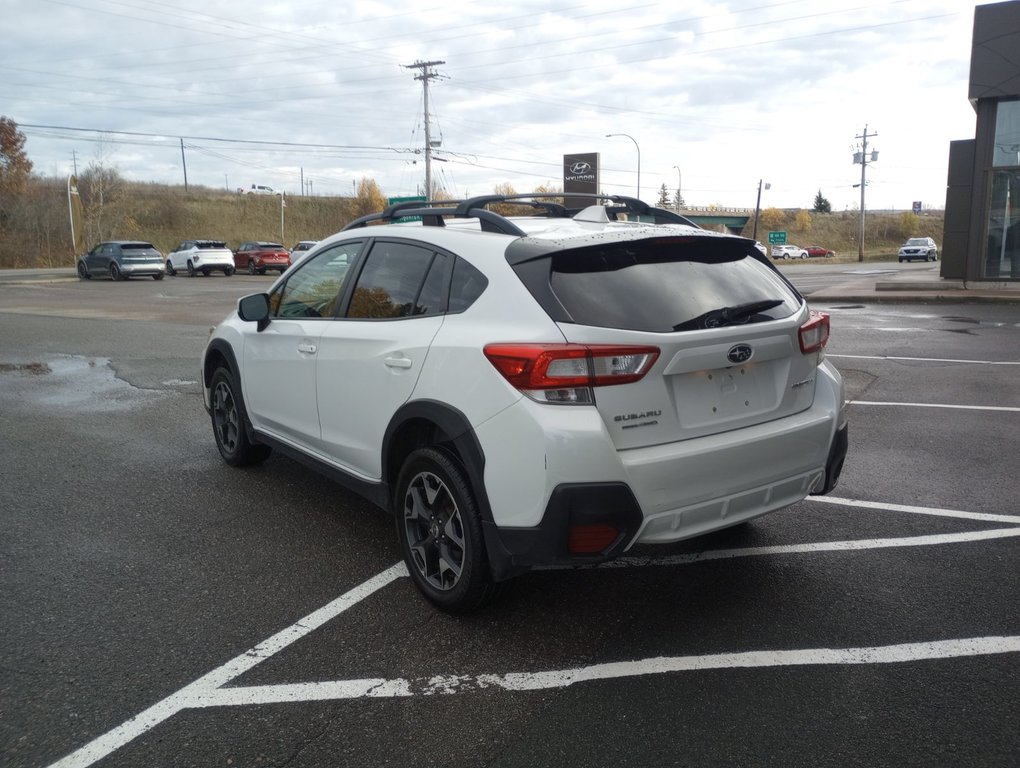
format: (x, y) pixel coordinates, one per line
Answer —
(398, 362)
(309, 349)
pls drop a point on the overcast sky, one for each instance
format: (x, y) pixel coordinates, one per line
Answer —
(716, 94)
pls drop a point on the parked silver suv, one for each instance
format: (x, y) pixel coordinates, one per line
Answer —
(922, 248)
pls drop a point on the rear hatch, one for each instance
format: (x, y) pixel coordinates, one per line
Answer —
(726, 324)
(140, 253)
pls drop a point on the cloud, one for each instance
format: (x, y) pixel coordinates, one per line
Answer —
(729, 90)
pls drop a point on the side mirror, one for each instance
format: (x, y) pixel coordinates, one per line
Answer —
(254, 309)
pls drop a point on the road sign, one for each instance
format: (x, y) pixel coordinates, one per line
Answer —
(777, 238)
(413, 198)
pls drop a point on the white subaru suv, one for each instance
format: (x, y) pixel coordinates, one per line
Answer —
(537, 390)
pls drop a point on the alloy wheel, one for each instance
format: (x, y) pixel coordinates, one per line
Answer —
(226, 420)
(434, 530)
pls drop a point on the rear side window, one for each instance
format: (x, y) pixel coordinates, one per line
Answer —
(665, 285)
(392, 283)
(466, 286)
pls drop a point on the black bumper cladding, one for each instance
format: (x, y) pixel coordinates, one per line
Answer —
(513, 551)
(834, 464)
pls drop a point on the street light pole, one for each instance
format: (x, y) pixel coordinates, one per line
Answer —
(610, 135)
(678, 185)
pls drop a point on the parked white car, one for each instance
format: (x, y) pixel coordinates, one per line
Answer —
(261, 189)
(534, 391)
(788, 252)
(200, 257)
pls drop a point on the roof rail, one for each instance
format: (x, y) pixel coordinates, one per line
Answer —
(433, 211)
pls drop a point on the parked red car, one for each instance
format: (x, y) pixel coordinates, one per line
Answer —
(817, 250)
(258, 257)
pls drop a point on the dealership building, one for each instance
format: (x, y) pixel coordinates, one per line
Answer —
(981, 240)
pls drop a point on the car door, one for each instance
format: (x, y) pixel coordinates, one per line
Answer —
(370, 359)
(280, 361)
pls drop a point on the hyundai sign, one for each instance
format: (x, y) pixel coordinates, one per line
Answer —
(580, 175)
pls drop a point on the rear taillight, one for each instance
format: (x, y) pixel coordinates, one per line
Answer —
(814, 334)
(567, 373)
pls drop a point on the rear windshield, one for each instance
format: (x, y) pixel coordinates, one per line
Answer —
(665, 285)
(211, 244)
(136, 246)
(277, 246)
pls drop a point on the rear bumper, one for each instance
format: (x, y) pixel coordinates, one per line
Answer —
(142, 269)
(657, 494)
(513, 551)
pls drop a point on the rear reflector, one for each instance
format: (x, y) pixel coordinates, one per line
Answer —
(591, 539)
(814, 334)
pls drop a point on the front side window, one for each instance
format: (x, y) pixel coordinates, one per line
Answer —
(317, 287)
(392, 283)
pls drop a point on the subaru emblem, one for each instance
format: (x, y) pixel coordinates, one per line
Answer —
(739, 353)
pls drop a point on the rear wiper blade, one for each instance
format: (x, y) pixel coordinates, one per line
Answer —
(717, 318)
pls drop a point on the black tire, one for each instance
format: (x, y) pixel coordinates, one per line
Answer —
(230, 423)
(83, 272)
(170, 268)
(440, 532)
(251, 267)
(262, 271)
(158, 277)
(228, 271)
(115, 273)
(191, 269)
(205, 271)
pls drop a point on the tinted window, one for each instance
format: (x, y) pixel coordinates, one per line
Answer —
(137, 246)
(467, 285)
(658, 285)
(391, 282)
(316, 288)
(211, 244)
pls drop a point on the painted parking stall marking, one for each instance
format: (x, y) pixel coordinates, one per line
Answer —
(212, 690)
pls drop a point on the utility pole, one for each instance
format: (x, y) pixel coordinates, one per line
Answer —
(862, 158)
(185, 165)
(757, 209)
(426, 74)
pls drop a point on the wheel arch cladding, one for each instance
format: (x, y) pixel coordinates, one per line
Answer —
(220, 353)
(428, 422)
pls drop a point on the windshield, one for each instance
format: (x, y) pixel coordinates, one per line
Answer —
(917, 241)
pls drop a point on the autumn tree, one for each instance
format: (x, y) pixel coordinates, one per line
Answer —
(369, 198)
(802, 221)
(772, 218)
(821, 204)
(908, 225)
(549, 189)
(15, 167)
(505, 188)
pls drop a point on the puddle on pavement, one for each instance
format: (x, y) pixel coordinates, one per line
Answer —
(71, 381)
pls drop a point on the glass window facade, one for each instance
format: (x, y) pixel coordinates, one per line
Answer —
(1002, 242)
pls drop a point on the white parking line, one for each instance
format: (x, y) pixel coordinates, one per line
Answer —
(1004, 408)
(925, 359)
(210, 691)
(934, 511)
(561, 678)
(188, 696)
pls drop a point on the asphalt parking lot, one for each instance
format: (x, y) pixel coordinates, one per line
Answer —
(163, 609)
